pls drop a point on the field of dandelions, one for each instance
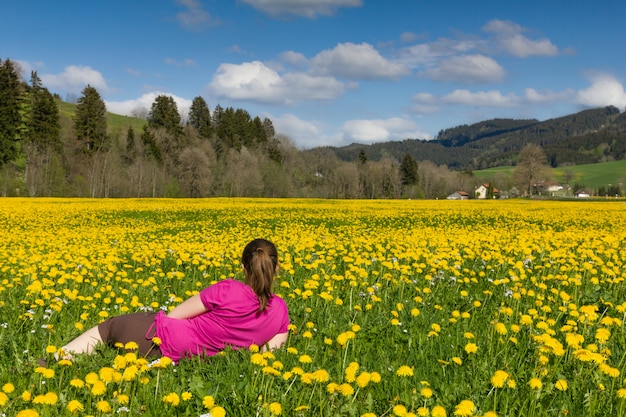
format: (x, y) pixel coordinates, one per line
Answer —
(398, 308)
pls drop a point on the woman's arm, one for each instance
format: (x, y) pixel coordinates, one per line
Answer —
(191, 307)
(276, 341)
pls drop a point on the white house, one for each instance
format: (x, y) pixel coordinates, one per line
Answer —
(483, 190)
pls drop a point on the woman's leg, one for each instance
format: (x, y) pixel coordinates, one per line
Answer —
(84, 343)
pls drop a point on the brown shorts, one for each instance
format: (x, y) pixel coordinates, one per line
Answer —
(135, 327)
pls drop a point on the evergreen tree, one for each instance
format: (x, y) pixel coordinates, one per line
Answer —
(408, 171)
(131, 147)
(45, 125)
(151, 148)
(90, 121)
(200, 117)
(10, 120)
(164, 114)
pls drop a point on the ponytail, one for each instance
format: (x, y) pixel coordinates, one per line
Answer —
(260, 261)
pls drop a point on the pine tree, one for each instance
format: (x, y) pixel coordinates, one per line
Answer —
(90, 123)
(164, 114)
(408, 171)
(45, 127)
(10, 120)
(200, 117)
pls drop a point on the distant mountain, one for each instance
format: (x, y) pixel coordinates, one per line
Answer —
(590, 136)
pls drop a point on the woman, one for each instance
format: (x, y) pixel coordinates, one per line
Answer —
(228, 313)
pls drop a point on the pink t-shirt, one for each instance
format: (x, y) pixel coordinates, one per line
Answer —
(231, 319)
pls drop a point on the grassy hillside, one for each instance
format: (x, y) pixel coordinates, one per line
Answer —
(591, 175)
(115, 122)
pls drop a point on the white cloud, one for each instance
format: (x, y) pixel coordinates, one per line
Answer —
(604, 90)
(354, 61)
(128, 107)
(304, 133)
(548, 96)
(380, 130)
(255, 81)
(491, 98)
(508, 36)
(305, 8)
(468, 69)
(74, 79)
(194, 17)
(426, 55)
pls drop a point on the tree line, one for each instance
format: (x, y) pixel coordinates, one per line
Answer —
(219, 152)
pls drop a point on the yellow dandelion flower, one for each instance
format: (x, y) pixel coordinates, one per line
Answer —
(51, 349)
(77, 383)
(258, 359)
(561, 385)
(423, 412)
(208, 402)
(131, 346)
(345, 389)
(103, 406)
(3, 399)
(499, 378)
(172, 399)
(500, 328)
(186, 396)
(106, 374)
(404, 371)
(321, 375)
(91, 378)
(332, 387)
(375, 377)
(471, 348)
(368, 415)
(75, 406)
(465, 408)
(490, 414)
(275, 409)
(157, 341)
(8, 388)
(400, 410)
(621, 393)
(292, 350)
(217, 412)
(305, 359)
(438, 411)
(535, 383)
(123, 399)
(98, 388)
(363, 379)
(426, 392)
(602, 335)
(28, 413)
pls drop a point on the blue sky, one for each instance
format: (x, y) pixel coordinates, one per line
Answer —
(330, 72)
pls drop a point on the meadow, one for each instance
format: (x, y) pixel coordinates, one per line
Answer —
(398, 308)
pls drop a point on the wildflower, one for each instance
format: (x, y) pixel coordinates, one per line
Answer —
(75, 406)
(49, 398)
(8, 388)
(621, 393)
(426, 392)
(172, 398)
(217, 412)
(321, 375)
(157, 341)
(375, 377)
(457, 360)
(275, 409)
(45, 372)
(332, 387)
(186, 396)
(208, 402)
(77, 383)
(500, 328)
(490, 414)
(404, 371)
(258, 359)
(363, 379)
(123, 399)
(98, 388)
(368, 415)
(602, 335)
(3, 399)
(561, 385)
(471, 348)
(345, 389)
(438, 411)
(499, 378)
(103, 406)
(28, 413)
(422, 412)
(465, 408)
(535, 383)
(305, 359)
(131, 346)
(400, 410)
(26, 396)
(292, 350)
(609, 370)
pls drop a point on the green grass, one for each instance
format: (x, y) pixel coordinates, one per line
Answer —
(115, 122)
(590, 175)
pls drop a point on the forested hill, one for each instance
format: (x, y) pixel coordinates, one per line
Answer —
(589, 136)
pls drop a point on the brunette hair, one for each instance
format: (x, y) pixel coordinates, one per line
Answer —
(260, 261)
